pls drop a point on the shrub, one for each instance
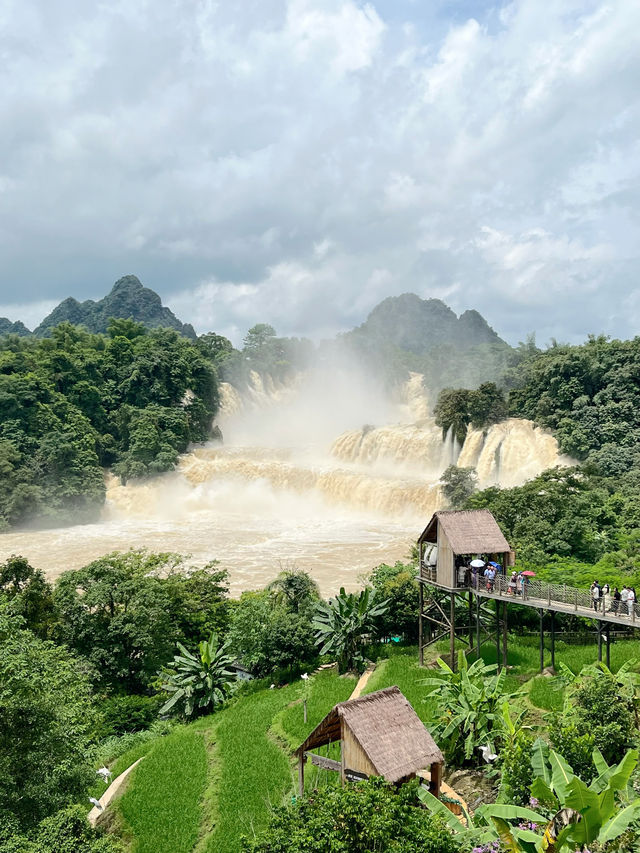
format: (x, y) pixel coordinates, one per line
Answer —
(123, 714)
(355, 819)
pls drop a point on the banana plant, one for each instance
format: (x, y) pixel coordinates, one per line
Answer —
(199, 681)
(581, 814)
(471, 699)
(341, 623)
(600, 812)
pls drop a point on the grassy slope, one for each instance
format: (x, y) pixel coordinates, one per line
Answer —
(162, 805)
(254, 771)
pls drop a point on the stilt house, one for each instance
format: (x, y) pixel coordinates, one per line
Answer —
(457, 534)
(380, 735)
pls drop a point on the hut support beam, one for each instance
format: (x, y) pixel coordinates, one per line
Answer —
(478, 624)
(420, 625)
(301, 774)
(553, 640)
(498, 632)
(504, 635)
(452, 631)
(541, 640)
(608, 641)
(470, 619)
(599, 640)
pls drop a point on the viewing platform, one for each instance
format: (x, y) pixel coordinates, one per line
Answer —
(560, 598)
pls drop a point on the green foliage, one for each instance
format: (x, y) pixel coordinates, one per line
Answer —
(599, 712)
(67, 831)
(272, 629)
(341, 623)
(397, 586)
(199, 682)
(30, 594)
(369, 816)
(516, 770)
(46, 721)
(122, 714)
(589, 395)
(458, 484)
(470, 703)
(126, 612)
(75, 402)
(455, 409)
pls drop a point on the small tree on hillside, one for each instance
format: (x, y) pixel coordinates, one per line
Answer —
(199, 681)
(458, 484)
(341, 624)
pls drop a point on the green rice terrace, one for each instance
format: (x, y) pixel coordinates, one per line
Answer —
(196, 756)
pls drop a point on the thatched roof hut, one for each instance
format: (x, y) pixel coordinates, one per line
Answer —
(380, 735)
(462, 533)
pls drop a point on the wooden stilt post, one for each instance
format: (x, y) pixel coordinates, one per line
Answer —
(478, 623)
(301, 774)
(608, 638)
(420, 629)
(452, 630)
(553, 640)
(470, 620)
(504, 634)
(541, 640)
(498, 632)
(599, 640)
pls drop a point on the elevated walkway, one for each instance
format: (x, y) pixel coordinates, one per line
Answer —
(559, 598)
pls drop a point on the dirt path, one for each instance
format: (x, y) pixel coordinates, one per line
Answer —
(366, 675)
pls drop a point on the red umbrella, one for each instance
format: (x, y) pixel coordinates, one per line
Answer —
(528, 574)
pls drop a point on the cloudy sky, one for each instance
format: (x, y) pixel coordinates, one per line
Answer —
(296, 161)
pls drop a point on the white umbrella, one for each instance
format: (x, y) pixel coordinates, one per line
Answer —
(477, 564)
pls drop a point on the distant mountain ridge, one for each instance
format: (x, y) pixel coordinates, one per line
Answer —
(418, 325)
(128, 298)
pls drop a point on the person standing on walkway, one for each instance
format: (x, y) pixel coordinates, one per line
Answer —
(595, 595)
(606, 598)
(624, 597)
(631, 600)
(616, 600)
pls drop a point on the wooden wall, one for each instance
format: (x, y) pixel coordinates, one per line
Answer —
(353, 756)
(446, 564)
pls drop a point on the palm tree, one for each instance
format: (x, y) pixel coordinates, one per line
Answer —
(341, 623)
(199, 681)
(294, 588)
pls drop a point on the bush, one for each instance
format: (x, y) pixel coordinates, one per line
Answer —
(517, 773)
(356, 819)
(123, 714)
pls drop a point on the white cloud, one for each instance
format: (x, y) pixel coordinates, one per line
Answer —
(296, 161)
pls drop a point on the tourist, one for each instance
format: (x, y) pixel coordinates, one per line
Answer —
(520, 584)
(595, 595)
(606, 598)
(624, 598)
(631, 600)
(616, 600)
(513, 583)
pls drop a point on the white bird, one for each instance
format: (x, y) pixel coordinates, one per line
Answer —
(105, 773)
(272, 686)
(305, 676)
(488, 754)
(96, 803)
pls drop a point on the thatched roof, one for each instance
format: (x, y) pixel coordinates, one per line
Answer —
(388, 730)
(472, 531)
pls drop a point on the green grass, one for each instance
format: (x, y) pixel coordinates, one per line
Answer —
(546, 693)
(254, 771)
(326, 690)
(403, 670)
(162, 804)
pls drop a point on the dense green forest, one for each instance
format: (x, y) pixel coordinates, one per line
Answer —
(75, 402)
(568, 520)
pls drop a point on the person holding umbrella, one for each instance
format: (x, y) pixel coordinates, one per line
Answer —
(476, 566)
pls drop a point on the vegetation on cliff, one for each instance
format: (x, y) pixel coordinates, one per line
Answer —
(75, 403)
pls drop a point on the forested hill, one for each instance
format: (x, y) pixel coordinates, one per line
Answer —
(406, 333)
(74, 403)
(128, 299)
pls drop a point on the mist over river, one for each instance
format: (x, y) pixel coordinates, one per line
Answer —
(292, 487)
